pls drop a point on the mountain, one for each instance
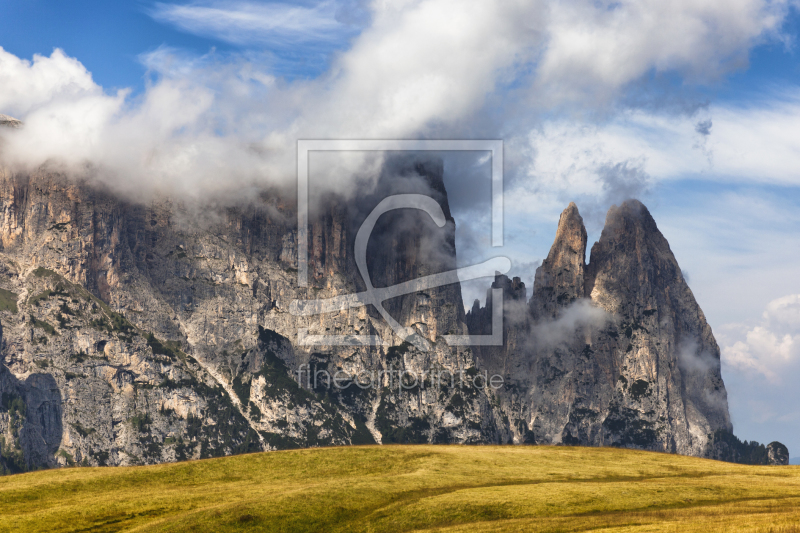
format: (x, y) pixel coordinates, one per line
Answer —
(616, 352)
(147, 333)
(143, 333)
(613, 352)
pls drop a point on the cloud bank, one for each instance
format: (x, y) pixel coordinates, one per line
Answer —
(771, 348)
(421, 68)
(761, 366)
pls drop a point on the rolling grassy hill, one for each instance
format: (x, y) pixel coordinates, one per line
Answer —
(411, 488)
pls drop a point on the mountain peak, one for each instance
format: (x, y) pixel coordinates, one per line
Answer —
(631, 256)
(560, 279)
(629, 214)
(11, 122)
(571, 233)
(616, 352)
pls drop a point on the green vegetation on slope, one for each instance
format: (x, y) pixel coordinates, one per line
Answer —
(8, 301)
(411, 488)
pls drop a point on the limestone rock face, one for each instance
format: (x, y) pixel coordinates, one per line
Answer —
(616, 352)
(139, 334)
(559, 280)
(505, 360)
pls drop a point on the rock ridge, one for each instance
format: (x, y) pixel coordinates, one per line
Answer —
(133, 334)
(615, 351)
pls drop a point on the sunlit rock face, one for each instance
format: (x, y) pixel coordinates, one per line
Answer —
(147, 333)
(560, 279)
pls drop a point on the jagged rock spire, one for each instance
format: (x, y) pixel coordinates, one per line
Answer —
(647, 263)
(560, 278)
(635, 364)
(667, 342)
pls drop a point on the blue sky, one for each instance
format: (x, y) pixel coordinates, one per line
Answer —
(774, 63)
(693, 108)
(108, 37)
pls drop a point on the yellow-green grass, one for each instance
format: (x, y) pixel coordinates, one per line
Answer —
(411, 488)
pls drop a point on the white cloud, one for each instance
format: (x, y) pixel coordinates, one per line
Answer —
(421, 68)
(691, 360)
(248, 23)
(597, 164)
(784, 311)
(578, 316)
(423, 65)
(770, 348)
(759, 142)
(25, 85)
(764, 352)
(178, 138)
(596, 48)
(761, 367)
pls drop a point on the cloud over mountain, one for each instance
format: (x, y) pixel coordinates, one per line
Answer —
(419, 68)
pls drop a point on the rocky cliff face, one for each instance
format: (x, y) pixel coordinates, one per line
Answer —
(136, 334)
(139, 334)
(613, 352)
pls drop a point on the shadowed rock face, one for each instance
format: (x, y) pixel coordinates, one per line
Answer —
(41, 433)
(616, 352)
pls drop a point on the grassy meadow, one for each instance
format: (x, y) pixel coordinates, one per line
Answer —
(411, 488)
